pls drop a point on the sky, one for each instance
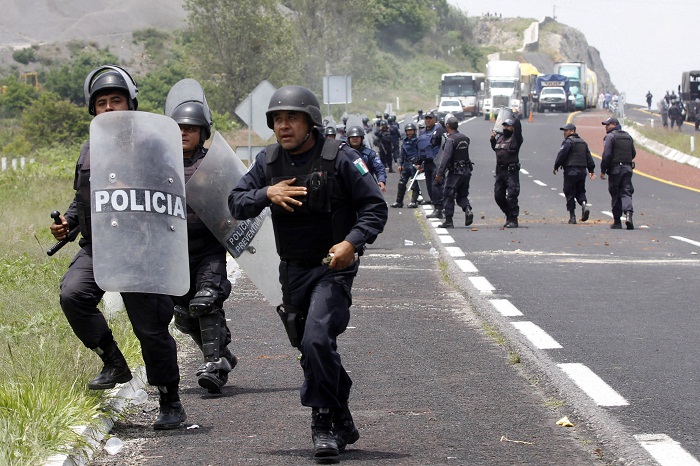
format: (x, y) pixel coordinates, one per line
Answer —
(645, 44)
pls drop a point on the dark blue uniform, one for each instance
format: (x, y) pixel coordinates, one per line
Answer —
(383, 141)
(434, 141)
(575, 157)
(456, 163)
(355, 211)
(407, 158)
(375, 166)
(150, 314)
(618, 153)
(507, 184)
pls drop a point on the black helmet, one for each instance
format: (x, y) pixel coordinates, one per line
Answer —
(383, 123)
(356, 131)
(193, 113)
(379, 115)
(386, 116)
(392, 118)
(409, 126)
(295, 98)
(330, 130)
(109, 77)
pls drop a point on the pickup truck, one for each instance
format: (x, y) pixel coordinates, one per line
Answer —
(552, 98)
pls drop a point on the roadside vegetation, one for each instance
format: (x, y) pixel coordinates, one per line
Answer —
(679, 140)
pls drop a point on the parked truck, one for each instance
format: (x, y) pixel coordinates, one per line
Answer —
(552, 92)
(503, 87)
(577, 74)
(689, 90)
(464, 86)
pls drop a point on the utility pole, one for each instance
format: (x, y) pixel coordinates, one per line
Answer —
(554, 12)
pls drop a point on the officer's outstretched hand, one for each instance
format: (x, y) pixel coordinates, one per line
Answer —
(283, 194)
(343, 255)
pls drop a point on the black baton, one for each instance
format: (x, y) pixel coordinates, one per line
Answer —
(70, 237)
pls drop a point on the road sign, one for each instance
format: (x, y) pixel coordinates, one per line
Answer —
(252, 109)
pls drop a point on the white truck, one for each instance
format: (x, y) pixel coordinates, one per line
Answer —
(503, 87)
(577, 74)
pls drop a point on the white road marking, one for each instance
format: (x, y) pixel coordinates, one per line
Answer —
(482, 284)
(454, 251)
(594, 386)
(539, 183)
(466, 266)
(665, 450)
(506, 308)
(524, 172)
(562, 194)
(440, 231)
(606, 212)
(536, 335)
(446, 239)
(686, 240)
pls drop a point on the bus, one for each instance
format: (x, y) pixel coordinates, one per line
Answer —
(464, 86)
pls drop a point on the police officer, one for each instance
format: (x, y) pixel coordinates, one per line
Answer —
(356, 137)
(199, 313)
(455, 161)
(324, 204)
(506, 145)
(429, 143)
(408, 160)
(395, 137)
(383, 141)
(575, 157)
(617, 163)
(110, 88)
(330, 132)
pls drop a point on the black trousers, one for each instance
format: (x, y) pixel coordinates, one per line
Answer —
(327, 295)
(507, 189)
(150, 315)
(621, 190)
(575, 186)
(456, 188)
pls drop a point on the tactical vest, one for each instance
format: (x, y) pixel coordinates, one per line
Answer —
(81, 184)
(410, 147)
(622, 147)
(504, 154)
(577, 154)
(325, 217)
(461, 147)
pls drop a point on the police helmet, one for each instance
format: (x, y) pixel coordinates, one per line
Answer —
(295, 98)
(379, 115)
(356, 131)
(195, 114)
(109, 77)
(392, 118)
(452, 122)
(409, 126)
(383, 123)
(386, 116)
(330, 130)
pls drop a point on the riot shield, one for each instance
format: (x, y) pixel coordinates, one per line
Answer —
(354, 120)
(423, 185)
(503, 114)
(186, 90)
(139, 218)
(251, 242)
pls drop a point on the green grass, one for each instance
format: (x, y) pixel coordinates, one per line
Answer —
(672, 138)
(44, 368)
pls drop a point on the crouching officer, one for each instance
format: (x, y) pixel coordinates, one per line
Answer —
(110, 88)
(455, 161)
(575, 157)
(617, 163)
(324, 203)
(199, 313)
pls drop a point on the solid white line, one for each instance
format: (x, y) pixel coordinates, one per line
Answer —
(665, 450)
(594, 386)
(482, 284)
(689, 241)
(536, 335)
(454, 251)
(506, 308)
(446, 239)
(466, 266)
(539, 183)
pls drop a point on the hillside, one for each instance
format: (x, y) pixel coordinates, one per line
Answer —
(109, 24)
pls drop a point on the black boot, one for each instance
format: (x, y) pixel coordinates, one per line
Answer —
(325, 444)
(437, 213)
(171, 414)
(344, 428)
(584, 211)
(447, 223)
(628, 221)
(115, 369)
(617, 224)
(468, 216)
(572, 217)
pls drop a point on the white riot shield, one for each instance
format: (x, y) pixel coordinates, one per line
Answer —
(503, 114)
(251, 242)
(423, 185)
(186, 90)
(354, 120)
(139, 218)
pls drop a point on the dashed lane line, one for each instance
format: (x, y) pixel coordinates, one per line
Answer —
(665, 450)
(482, 284)
(536, 335)
(466, 266)
(538, 182)
(594, 386)
(505, 308)
(686, 240)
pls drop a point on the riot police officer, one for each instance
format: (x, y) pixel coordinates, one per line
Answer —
(456, 162)
(618, 164)
(330, 132)
(408, 160)
(383, 141)
(506, 145)
(395, 138)
(324, 204)
(575, 157)
(356, 137)
(199, 313)
(429, 143)
(111, 88)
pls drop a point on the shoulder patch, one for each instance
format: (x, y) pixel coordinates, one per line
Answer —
(360, 165)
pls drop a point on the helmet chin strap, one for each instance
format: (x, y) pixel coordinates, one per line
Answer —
(295, 149)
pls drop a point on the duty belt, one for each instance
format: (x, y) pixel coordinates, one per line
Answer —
(302, 262)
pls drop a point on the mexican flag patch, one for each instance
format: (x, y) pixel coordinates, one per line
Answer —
(361, 167)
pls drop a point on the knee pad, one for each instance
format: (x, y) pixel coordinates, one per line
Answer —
(184, 321)
(204, 302)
